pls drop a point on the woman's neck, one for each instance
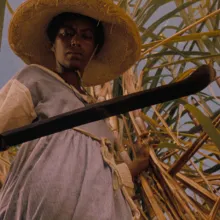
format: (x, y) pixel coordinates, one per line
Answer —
(72, 78)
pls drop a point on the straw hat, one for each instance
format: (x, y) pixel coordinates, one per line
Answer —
(121, 49)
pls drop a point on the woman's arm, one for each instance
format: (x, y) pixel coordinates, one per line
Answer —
(16, 110)
(16, 106)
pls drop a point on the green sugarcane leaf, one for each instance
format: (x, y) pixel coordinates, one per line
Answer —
(169, 146)
(123, 4)
(206, 124)
(2, 15)
(171, 14)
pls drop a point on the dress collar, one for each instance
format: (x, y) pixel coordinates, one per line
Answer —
(87, 98)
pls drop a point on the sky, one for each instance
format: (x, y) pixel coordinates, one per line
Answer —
(9, 63)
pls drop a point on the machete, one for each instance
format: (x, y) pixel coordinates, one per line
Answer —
(196, 82)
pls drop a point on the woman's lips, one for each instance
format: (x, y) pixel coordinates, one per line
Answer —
(75, 55)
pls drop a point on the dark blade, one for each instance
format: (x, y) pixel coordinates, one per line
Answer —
(197, 81)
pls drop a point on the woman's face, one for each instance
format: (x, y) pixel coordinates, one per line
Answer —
(74, 44)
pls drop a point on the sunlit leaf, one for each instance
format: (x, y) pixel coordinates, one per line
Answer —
(169, 146)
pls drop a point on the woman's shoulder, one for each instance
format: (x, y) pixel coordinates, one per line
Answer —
(31, 72)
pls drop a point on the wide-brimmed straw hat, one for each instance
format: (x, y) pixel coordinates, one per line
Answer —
(121, 49)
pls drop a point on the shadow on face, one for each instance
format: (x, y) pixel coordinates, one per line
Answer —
(75, 40)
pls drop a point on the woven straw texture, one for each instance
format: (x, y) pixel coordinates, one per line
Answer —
(28, 40)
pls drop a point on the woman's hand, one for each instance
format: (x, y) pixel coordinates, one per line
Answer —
(140, 163)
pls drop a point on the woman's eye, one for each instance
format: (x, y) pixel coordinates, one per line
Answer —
(87, 36)
(68, 33)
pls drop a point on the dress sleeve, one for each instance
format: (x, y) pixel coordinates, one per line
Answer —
(16, 110)
(16, 106)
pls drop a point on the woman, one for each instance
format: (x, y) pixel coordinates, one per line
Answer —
(70, 174)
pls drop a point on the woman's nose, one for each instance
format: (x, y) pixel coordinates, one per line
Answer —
(75, 41)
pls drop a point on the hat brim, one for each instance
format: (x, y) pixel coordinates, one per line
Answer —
(121, 49)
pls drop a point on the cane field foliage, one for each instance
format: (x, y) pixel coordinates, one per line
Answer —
(179, 139)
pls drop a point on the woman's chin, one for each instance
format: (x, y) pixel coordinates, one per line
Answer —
(74, 65)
